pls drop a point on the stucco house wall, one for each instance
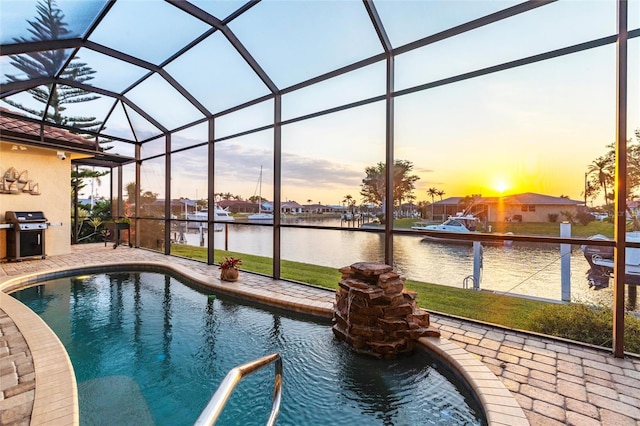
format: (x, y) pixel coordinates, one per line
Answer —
(53, 177)
(530, 207)
(541, 213)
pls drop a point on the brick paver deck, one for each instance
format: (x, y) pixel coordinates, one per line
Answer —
(555, 382)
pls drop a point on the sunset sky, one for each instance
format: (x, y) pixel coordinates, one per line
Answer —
(534, 128)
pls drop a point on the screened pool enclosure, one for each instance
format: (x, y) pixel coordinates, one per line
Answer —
(348, 121)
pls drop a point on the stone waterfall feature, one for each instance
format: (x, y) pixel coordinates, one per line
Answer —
(375, 315)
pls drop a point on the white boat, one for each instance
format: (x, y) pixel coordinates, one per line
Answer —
(459, 224)
(261, 216)
(600, 259)
(201, 217)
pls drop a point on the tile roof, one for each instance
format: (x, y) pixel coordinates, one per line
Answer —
(29, 130)
(524, 198)
(458, 200)
(532, 198)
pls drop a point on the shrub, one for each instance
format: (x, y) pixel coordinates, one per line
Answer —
(585, 218)
(553, 217)
(585, 324)
(569, 216)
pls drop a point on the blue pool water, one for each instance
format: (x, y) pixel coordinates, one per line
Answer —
(148, 349)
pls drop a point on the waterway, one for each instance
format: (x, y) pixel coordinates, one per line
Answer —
(523, 269)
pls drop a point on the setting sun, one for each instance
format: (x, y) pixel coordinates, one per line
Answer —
(501, 186)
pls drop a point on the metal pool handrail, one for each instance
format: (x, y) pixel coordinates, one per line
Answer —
(219, 399)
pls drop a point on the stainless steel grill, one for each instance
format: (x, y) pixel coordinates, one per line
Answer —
(25, 239)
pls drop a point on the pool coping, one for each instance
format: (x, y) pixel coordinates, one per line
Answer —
(55, 401)
(499, 405)
(56, 397)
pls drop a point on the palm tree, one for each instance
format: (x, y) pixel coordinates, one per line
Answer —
(432, 192)
(440, 194)
(600, 167)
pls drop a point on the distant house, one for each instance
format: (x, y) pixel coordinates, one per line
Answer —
(267, 207)
(316, 208)
(409, 210)
(178, 207)
(287, 207)
(246, 207)
(448, 207)
(633, 209)
(525, 207)
(238, 206)
(530, 207)
(291, 207)
(336, 208)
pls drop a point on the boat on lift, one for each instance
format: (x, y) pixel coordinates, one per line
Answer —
(460, 224)
(600, 259)
(200, 217)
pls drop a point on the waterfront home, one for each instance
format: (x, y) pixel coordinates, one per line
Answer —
(525, 207)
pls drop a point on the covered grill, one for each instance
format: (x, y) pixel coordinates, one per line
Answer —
(25, 239)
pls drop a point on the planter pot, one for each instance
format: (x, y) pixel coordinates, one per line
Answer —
(123, 225)
(230, 274)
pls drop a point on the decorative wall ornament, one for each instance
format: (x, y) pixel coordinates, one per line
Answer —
(14, 182)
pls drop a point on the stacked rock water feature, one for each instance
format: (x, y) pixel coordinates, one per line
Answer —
(375, 315)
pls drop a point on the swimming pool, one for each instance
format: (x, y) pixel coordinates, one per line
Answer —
(148, 349)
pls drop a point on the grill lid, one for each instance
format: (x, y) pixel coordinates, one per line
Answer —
(24, 217)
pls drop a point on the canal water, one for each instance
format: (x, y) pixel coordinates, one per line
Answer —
(523, 269)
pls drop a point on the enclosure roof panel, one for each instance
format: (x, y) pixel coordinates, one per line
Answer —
(149, 68)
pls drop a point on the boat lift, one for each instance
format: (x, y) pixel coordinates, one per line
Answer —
(474, 279)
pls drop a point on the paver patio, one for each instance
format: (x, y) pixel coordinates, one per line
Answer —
(555, 382)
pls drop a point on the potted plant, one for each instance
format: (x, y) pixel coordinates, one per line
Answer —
(229, 268)
(123, 223)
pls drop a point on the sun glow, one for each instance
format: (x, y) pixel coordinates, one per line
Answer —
(501, 186)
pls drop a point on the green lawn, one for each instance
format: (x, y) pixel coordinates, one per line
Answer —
(504, 310)
(507, 311)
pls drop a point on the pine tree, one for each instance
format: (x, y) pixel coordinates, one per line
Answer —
(49, 25)
(78, 178)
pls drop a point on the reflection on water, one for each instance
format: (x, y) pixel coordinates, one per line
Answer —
(521, 268)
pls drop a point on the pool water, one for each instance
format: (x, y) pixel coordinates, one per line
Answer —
(148, 349)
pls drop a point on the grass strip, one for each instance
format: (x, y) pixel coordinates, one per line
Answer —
(570, 321)
(509, 311)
